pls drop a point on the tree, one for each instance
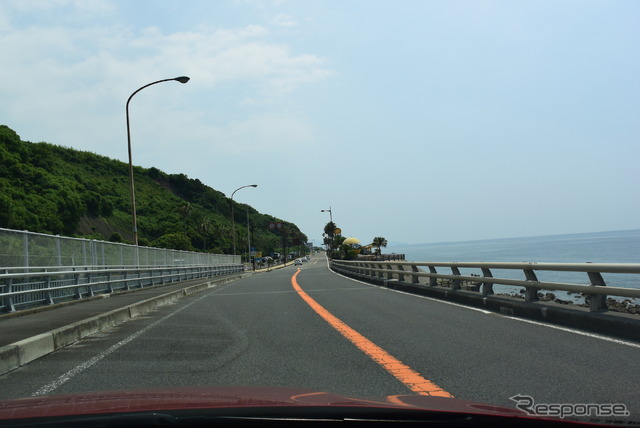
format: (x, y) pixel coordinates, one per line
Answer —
(51, 189)
(185, 211)
(329, 232)
(330, 228)
(379, 242)
(175, 241)
(116, 237)
(205, 226)
(336, 245)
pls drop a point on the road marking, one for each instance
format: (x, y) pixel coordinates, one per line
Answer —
(405, 374)
(471, 308)
(542, 324)
(252, 293)
(579, 332)
(52, 386)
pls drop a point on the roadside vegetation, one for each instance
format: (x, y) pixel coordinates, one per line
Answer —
(57, 190)
(334, 242)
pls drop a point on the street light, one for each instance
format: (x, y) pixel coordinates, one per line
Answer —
(249, 240)
(181, 79)
(233, 221)
(331, 218)
(330, 213)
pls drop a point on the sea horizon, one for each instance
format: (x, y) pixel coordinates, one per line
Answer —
(621, 246)
(616, 246)
(618, 231)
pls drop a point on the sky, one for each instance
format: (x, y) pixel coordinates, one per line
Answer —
(418, 121)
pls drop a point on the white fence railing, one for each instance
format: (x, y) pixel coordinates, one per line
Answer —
(28, 249)
(37, 269)
(44, 286)
(426, 273)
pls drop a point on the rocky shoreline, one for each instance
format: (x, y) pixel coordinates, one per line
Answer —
(626, 305)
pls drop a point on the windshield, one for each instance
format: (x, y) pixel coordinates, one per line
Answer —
(372, 199)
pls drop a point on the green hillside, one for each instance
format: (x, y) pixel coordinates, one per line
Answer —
(57, 190)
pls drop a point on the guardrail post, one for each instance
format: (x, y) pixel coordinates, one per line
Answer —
(58, 251)
(381, 273)
(400, 275)
(9, 306)
(25, 244)
(598, 302)
(77, 281)
(89, 289)
(433, 281)
(415, 279)
(389, 274)
(530, 293)
(368, 270)
(49, 298)
(455, 285)
(487, 287)
(364, 269)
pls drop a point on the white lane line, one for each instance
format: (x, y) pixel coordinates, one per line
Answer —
(252, 293)
(471, 308)
(580, 332)
(52, 386)
(542, 324)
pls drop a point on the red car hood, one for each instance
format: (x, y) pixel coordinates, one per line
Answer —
(168, 399)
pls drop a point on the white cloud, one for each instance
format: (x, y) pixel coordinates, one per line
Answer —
(77, 6)
(69, 85)
(284, 20)
(263, 133)
(60, 12)
(4, 21)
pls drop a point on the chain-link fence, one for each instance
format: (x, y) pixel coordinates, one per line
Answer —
(28, 249)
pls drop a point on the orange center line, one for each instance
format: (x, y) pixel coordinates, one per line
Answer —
(405, 374)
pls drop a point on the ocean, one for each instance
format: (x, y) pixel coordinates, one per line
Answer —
(599, 247)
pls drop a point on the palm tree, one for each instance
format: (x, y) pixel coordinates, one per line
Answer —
(330, 228)
(185, 211)
(379, 241)
(329, 232)
(205, 226)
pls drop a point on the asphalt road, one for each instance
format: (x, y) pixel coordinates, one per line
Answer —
(260, 330)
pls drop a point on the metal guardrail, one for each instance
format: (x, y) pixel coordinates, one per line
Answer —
(22, 287)
(41, 269)
(595, 292)
(383, 257)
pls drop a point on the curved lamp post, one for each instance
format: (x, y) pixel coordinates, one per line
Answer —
(330, 214)
(181, 79)
(233, 221)
(331, 219)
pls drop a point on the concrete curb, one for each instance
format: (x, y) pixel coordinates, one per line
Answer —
(271, 269)
(19, 353)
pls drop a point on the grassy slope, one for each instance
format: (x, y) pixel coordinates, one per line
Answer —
(52, 189)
